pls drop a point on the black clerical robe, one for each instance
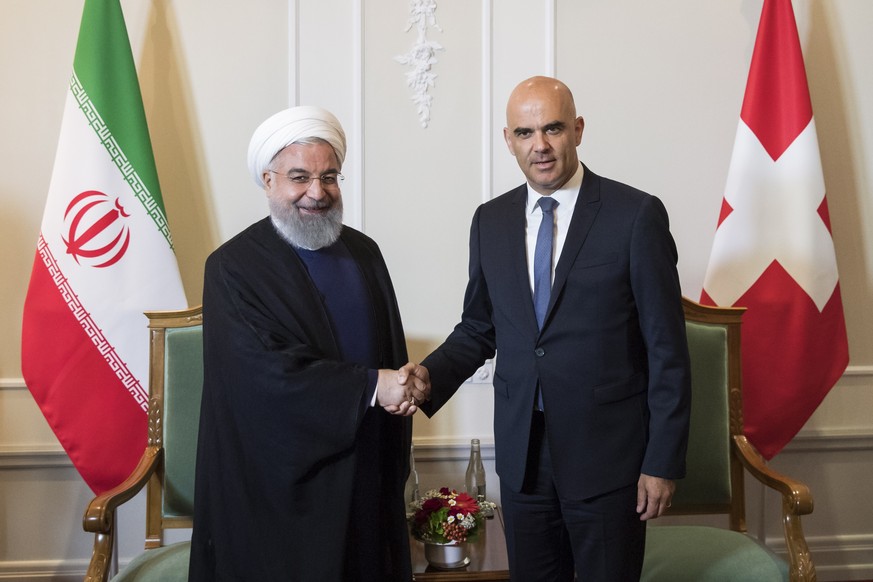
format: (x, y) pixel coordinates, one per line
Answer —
(290, 453)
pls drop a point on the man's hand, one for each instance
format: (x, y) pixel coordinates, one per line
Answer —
(397, 395)
(420, 378)
(654, 496)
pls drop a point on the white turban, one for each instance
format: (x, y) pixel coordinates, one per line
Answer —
(289, 126)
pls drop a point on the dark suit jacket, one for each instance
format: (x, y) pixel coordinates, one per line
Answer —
(611, 359)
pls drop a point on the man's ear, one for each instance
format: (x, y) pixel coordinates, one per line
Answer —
(507, 137)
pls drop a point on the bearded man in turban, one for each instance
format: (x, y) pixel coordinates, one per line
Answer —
(304, 429)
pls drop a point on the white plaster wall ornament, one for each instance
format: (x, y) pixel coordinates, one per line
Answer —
(421, 57)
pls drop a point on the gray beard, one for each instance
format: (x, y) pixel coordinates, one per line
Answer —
(309, 232)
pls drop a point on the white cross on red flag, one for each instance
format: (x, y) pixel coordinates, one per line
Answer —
(773, 251)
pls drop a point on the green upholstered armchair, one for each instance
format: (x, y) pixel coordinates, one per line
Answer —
(718, 457)
(167, 464)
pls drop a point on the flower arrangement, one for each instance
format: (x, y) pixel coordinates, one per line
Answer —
(445, 516)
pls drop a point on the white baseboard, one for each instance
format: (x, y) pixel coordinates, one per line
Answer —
(841, 557)
(44, 570)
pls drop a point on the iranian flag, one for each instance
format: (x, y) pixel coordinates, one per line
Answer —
(773, 251)
(104, 255)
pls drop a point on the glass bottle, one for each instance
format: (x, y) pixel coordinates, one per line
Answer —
(411, 492)
(475, 478)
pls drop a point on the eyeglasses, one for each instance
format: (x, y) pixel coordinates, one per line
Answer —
(302, 182)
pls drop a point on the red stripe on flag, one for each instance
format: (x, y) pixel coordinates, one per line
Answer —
(792, 355)
(776, 106)
(98, 423)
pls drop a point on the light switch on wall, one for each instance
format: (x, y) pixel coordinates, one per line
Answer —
(484, 375)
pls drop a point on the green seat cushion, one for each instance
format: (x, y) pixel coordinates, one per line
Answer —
(166, 564)
(707, 554)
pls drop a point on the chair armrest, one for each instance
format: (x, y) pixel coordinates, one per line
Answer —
(795, 495)
(796, 501)
(100, 513)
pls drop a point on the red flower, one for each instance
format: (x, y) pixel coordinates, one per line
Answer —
(433, 504)
(465, 504)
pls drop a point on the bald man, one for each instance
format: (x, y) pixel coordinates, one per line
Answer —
(573, 285)
(304, 429)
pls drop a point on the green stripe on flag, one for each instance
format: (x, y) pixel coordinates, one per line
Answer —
(107, 90)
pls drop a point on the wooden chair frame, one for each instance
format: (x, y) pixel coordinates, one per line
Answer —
(100, 514)
(796, 496)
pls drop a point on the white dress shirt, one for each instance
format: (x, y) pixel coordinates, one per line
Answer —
(566, 198)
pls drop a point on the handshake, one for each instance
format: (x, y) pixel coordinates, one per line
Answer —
(402, 391)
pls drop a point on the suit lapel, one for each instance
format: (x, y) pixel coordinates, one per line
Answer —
(587, 207)
(516, 246)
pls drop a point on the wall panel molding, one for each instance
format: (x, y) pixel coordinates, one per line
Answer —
(821, 441)
(858, 371)
(33, 457)
(440, 448)
(550, 37)
(358, 127)
(293, 53)
(851, 371)
(437, 449)
(487, 99)
(826, 441)
(12, 384)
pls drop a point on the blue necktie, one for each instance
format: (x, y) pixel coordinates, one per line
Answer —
(543, 267)
(543, 259)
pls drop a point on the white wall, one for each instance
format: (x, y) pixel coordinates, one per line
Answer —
(660, 85)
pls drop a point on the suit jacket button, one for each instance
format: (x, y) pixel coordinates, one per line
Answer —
(540, 352)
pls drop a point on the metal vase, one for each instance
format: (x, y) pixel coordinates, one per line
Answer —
(446, 556)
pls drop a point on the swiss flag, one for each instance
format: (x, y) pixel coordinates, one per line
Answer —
(773, 251)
